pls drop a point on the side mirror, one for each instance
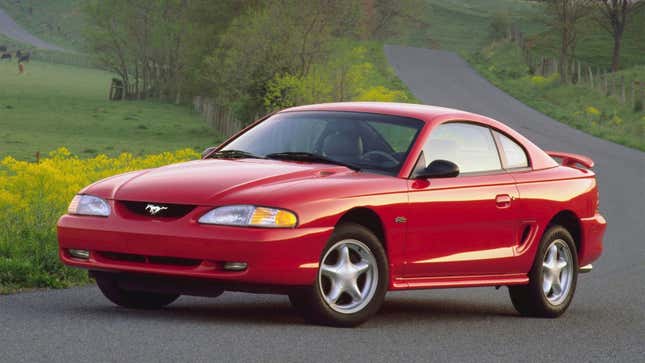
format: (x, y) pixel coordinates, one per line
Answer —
(208, 151)
(439, 169)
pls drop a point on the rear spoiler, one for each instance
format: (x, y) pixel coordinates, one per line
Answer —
(568, 159)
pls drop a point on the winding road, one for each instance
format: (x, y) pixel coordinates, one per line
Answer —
(606, 321)
(11, 29)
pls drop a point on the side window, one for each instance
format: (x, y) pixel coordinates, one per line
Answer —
(514, 154)
(470, 146)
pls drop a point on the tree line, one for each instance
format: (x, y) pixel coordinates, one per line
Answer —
(252, 54)
(613, 16)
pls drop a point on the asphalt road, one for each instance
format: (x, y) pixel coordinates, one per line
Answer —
(12, 30)
(604, 323)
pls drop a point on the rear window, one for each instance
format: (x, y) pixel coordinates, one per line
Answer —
(513, 154)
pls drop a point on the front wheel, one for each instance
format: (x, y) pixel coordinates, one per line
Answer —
(132, 299)
(351, 282)
(553, 277)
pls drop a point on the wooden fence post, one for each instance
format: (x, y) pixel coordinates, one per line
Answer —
(590, 76)
(606, 88)
(622, 86)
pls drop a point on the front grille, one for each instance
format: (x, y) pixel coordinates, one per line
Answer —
(158, 210)
(153, 260)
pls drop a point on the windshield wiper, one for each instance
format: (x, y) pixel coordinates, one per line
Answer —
(307, 156)
(234, 154)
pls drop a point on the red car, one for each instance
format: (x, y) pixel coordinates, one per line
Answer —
(335, 204)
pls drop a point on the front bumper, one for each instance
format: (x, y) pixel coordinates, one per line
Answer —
(184, 248)
(593, 231)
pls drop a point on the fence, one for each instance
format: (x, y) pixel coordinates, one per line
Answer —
(630, 92)
(219, 117)
(72, 59)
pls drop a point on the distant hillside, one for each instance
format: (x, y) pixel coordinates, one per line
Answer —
(464, 26)
(58, 21)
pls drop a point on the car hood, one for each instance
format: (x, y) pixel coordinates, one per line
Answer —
(204, 182)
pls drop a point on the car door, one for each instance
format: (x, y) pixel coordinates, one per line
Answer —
(466, 224)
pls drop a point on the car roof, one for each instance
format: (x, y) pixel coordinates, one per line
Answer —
(433, 115)
(422, 112)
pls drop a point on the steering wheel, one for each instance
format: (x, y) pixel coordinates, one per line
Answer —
(381, 154)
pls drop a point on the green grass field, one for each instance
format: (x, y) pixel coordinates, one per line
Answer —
(55, 105)
(464, 26)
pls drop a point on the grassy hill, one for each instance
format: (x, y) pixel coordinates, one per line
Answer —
(56, 105)
(464, 26)
(58, 21)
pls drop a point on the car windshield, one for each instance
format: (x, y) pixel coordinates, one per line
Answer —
(362, 141)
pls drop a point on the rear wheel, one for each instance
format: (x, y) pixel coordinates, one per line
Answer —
(132, 299)
(351, 282)
(553, 277)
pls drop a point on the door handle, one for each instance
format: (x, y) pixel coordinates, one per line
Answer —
(503, 200)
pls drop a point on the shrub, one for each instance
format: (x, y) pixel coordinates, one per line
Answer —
(638, 106)
(544, 82)
(382, 94)
(499, 26)
(34, 195)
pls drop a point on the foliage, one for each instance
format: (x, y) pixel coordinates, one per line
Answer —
(500, 25)
(34, 195)
(53, 105)
(576, 105)
(382, 94)
(638, 106)
(614, 16)
(155, 45)
(256, 48)
(348, 75)
(508, 61)
(595, 45)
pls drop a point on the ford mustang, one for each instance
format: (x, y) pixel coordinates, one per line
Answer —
(336, 204)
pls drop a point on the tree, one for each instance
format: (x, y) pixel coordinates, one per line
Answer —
(283, 37)
(565, 16)
(613, 16)
(381, 19)
(156, 46)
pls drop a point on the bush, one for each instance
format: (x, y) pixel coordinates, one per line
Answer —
(545, 82)
(638, 106)
(34, 195)
(499, 26)
(382, 94)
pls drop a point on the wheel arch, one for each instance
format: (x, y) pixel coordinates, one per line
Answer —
(367, 218)
(570, 221)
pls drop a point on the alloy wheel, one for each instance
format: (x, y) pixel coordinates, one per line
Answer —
(557, 272)
(348, 276)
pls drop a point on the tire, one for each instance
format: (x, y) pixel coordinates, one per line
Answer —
(351, 282)
(545, 296)
(132, 299)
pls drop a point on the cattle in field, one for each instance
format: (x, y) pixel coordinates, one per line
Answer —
(3, 48)
(6, 56)
(18, 53)
(24, 58)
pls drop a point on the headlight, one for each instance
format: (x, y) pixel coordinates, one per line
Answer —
(89, 205)
(249, 215)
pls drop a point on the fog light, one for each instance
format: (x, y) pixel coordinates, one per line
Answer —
(235, 266)
(80, 254)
